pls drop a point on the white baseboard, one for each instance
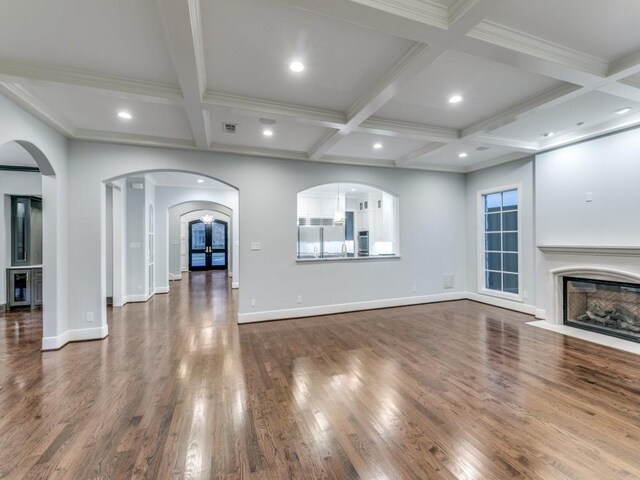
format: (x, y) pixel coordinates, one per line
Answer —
(173, 278)
(540, 313)
(79, 335)
(346, 307)
(502, 303)
(235, 284)
(162, 289)
(137, 298)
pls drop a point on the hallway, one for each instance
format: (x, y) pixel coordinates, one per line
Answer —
(178, 390)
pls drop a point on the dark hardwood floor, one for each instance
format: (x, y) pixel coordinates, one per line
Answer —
(442, 391)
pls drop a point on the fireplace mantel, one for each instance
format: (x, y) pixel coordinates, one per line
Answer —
(602, 250)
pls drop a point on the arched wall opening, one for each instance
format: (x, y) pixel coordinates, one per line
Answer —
(28, 231)
(137, 256)
(176, 250)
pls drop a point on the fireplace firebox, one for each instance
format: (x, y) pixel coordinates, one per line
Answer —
(611, 308)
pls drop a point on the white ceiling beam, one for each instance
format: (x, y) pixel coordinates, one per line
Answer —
(418, 58)
(421, 152)
(519, 145)
(133, 139)
(393, 128)
(34, 105)
(106, 85)
(261, 108)
(183, 33)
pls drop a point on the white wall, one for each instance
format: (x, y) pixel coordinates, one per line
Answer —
(168, 236)
(519, 173)
(50, 150)
(431, 209)
(609, 169)
(12, 183)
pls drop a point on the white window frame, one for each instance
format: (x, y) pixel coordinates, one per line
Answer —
(481, 266)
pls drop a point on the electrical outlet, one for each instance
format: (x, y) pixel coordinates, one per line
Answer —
(447, 280)
(89, 317)
(589, 197)
(414, 288)
(139, 287)
(525, 295)
(299, 300)
(253, 302)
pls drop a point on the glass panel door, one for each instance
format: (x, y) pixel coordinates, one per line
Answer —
(219, 245)
(208, 245)
(197, 245)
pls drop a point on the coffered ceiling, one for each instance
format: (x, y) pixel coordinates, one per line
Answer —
(375, 89)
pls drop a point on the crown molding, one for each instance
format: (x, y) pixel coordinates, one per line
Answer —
(624, 67)
(363, 161)
(382, 126)
(459, 9)
(513, 39)
(546, 99)
(422, 11)
(147, 91)
(258, 151)
(600, 129)
(133, 139)
(312, 116)
(34, 105)
(509, 157)
(497, 141)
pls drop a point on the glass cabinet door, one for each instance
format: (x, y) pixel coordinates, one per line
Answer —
(20, 287)
(20, 231)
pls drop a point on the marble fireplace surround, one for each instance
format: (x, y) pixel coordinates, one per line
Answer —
(613, 263)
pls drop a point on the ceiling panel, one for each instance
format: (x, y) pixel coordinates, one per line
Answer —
(605, 29)
(119, 38)
(249, 44)
(592, 108)
(361, 145)
(13, 155)
(449, 155)
(487, 88)
(86, 108)
(287, 134)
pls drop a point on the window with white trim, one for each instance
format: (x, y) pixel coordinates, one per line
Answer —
(500, 241)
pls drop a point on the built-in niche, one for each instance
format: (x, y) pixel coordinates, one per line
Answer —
(24, 276)
(346, 221)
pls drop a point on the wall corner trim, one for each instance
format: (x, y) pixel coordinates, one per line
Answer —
(80, 335)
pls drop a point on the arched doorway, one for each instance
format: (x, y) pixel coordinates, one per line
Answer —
(29, 271)
(151, 203)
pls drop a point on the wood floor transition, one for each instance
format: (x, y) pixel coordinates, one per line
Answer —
(443, 391)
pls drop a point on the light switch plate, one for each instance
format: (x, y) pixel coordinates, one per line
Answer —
(589, 197)
(255, 246)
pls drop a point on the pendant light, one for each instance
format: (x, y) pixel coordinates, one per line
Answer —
(208, 218)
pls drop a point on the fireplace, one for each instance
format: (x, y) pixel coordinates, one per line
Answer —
(611, 308)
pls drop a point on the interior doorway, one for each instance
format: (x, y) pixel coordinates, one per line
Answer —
(208, 244)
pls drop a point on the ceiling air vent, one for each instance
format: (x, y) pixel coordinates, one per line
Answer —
(482, 149)
(229, 127)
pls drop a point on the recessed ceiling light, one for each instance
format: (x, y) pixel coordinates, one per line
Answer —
(462, 155)
(377, 146)
(124, 115)
(455, 99)
(296, 66)
(622, 111)
(548, 134)
(267, 133)
(200, 180)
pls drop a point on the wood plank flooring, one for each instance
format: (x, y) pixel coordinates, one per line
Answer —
(443, 391)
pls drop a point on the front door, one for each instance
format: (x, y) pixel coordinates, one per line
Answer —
(208, 245)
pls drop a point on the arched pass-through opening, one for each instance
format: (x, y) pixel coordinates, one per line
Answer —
(142, 228)
(28, 260)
